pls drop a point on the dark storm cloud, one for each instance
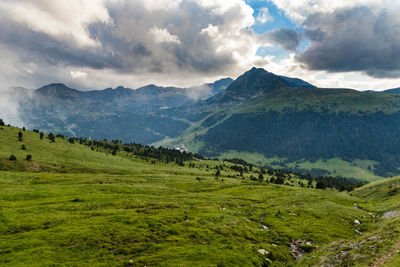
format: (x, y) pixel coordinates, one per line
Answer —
(139, 40)
(41, 48)
(284, 37)
(353, 39)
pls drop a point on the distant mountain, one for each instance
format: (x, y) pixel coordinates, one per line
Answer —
(257, 82)
(120, 113)
(59, 90)
(262, 116)
(392, 91)
(265, 118)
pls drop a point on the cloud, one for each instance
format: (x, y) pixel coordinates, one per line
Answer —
(163, 36)
(284, 37)
(349, 36)
(299, 10)
(78, 74)
(264, 15)
(198, 92)
(9, 107)
(166, 40)
(339, 44)
(64, 20)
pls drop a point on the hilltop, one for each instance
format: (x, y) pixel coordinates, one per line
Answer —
(94, 204)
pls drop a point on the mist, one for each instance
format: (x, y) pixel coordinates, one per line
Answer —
(9, 107)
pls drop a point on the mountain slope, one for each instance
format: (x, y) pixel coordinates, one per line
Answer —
(261, 115)
(79, 206)
(269, 119)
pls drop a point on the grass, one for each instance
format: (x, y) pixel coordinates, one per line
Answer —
(358, 169)
(74, 206)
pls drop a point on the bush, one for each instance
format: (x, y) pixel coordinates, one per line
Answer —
(13, 158)
(320, 185)
(52, 137)
(71, 140)
(28, 157)
(23, 147)
(279, 180)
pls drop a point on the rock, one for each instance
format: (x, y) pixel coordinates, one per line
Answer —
(358, 232)
(263, 252)
(265, 227)
(357, 222)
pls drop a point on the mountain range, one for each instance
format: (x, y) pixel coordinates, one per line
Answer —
(264, 118)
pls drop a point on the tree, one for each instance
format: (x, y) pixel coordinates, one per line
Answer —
(279, 180)
(41, 135)
(23, 147)
(23, 129)
(218, 173)
(71, 140)
(261, 177)
(13, 158)
(28, 157)
(51, 137)
(20, 136)
(2, 123)
(320, 185)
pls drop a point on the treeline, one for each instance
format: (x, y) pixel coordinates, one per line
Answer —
(283, 176)
(161, 154)
(311, 135)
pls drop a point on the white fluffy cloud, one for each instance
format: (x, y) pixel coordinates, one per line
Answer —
(299, 10)
(64, 20)
(264, 16)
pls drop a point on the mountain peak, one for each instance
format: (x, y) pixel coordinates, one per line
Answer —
(59, 90)
(256, 82)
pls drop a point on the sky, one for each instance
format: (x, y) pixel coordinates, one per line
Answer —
(98, 44)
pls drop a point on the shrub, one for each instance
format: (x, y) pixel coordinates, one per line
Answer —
(28, 157)
(51, 137)
(279, 180)
(23, 147)
(13, 158)
(320, 185)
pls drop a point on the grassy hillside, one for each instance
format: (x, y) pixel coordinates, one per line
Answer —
(71, 205)
(358, 169)
(380, 246)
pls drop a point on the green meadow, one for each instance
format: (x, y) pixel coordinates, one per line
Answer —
(73, 206)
